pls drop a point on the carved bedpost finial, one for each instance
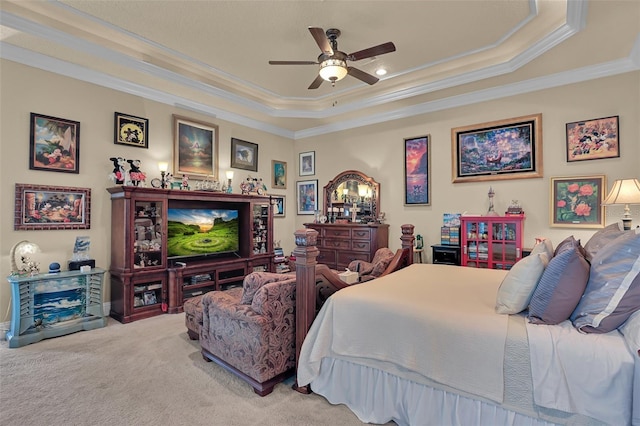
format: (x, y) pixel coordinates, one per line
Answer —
(407, 239)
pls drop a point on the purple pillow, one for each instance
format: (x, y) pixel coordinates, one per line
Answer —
(613, 291)
(561, 285)
(602, 238)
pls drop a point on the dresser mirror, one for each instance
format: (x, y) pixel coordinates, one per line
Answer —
(352, 196)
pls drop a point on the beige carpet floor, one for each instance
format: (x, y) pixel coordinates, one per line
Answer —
(143, 373)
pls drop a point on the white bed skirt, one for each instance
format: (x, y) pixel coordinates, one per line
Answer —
(382, 397)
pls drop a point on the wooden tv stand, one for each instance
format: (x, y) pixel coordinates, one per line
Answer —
(145, 282)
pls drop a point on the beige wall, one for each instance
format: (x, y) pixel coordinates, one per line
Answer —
(376, 150)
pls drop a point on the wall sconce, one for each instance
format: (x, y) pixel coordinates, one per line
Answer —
(23, 249)
(163, 167)
(229, 174)
(624, 191)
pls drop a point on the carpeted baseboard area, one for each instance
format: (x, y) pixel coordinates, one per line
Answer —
(143, 373)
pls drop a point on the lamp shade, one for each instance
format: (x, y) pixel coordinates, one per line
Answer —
(624, 191)
(163, 166)
(333, 69)
(229, 174)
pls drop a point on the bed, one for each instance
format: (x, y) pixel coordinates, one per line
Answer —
(425, 346)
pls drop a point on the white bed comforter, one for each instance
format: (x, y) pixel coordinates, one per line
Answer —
(570, 370)
(405, 320)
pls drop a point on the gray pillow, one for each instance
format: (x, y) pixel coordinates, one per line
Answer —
(602, 238)
(613, 291)
(561, 286)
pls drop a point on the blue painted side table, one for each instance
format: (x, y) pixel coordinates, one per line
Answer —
(52, 305)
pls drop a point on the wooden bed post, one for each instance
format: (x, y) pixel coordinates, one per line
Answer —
(306, 253)
(407, 239)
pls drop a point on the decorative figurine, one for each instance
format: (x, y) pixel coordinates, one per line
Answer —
(185, 182)
(119, 172)
(136, 175)
(491, 211)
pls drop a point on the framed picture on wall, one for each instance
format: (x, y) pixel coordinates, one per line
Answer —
(278, 174)
(576, 202)
(130, 130)
(244, 155)
(54, 144)
(195, 150)
(46, 207)
(307, 196)
(503, 149)
(279, 203)
(593, 139)
(308, 163)
(417, 171)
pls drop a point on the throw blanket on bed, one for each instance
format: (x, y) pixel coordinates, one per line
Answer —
(570, 370)
(422, 318)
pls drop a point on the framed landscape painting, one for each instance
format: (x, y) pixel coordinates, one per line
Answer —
(593, 139)
(54, 144)
(576, 202)
(195, 148)
(417, 182)
(503, 149)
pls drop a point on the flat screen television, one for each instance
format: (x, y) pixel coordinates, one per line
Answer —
(200, 232)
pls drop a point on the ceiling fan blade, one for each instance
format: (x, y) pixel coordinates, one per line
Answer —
(372, 51)
(292, 63)
(361, 75)
(322, 40)
(317, 82)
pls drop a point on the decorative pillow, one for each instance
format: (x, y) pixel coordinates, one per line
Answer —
(543, 245)
(560, 287)
(518, 285)
(254, 281)
(613, 291)
(602, 238)
(631, 331)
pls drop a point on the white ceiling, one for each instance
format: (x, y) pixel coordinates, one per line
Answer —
(212, 56)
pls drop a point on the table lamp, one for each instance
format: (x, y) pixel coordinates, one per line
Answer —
(229, 174)
(163, 167)
(23, 249)
(624, 191)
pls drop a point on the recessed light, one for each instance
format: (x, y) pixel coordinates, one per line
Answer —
(381, 71)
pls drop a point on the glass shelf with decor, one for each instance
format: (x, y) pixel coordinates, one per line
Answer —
(493, 242)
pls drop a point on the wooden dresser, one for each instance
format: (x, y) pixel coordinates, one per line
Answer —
(339, 244)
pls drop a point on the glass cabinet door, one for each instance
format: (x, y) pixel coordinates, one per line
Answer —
(260, 228)
(147, 232)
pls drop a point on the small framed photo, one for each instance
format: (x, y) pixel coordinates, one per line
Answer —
(278, 174)
(54, 144)
(244, 155)
(195, 149)
(150, 298)
(279, 203)
(417, 167)
(576, 202)
(593, 139)
(130, 130)
(308, 163)
(40, 207)
(307, 191)
(498, 150)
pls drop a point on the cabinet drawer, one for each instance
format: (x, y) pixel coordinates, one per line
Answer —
(337, 233)
(327, 257)
(361, 246)
(345, 257)
(337, 244)
(361, 234)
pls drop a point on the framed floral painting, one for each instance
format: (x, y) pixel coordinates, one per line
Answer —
(576, 202)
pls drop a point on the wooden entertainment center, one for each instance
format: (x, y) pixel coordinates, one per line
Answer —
(146, 281)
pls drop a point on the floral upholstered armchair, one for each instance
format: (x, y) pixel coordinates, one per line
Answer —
(375, 268)
(250, 331)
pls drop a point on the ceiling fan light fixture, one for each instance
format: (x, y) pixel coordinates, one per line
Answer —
(333, 69)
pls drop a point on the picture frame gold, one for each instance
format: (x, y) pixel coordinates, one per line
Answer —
(576, 201)
(278, 174)
(497, 150)
(47, 207)
(195, 151)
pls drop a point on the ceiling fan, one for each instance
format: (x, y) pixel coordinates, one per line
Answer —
(333, 63)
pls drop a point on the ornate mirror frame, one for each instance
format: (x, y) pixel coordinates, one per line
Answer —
(352, 180)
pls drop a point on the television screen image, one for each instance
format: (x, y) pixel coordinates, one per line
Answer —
(202, 232)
